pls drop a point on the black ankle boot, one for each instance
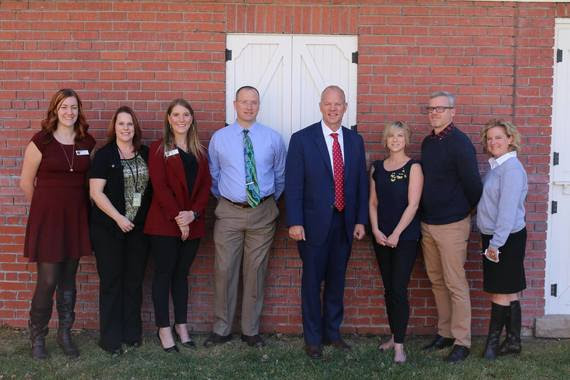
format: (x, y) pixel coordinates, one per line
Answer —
(38, 325)
(65, 300)
(498, 317)
(512, 343)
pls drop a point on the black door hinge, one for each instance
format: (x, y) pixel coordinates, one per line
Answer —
(554, 290)
(553, 207)
(555, 158)
(558, 55)
(228, 55)
(355, 57)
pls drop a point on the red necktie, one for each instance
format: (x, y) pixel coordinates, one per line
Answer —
(338, 171)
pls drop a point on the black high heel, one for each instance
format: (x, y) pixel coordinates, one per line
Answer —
(166, 349)
(188, 344)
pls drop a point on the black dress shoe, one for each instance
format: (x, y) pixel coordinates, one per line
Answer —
(438, 343)
(253, 340)
(314, 352)
(338, 344)
(188, 344)
(214, 339)
(134, 344)
(171, 349)
(458, 354)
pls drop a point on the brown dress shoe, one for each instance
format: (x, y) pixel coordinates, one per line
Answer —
(253, 340)
(314, 352)
(214, 339)
(338, 344)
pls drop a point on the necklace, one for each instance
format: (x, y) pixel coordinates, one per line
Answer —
(69, 163)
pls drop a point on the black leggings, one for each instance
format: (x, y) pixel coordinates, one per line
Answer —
(396, 266)
(52, 276)
(172, 260)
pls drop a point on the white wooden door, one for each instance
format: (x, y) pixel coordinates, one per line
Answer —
(558, 236)
(290, 72)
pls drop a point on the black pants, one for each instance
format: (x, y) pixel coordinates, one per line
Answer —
(121, 264)
(172, 260)
(396, 266)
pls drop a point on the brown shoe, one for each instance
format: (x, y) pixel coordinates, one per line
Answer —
(253, 340)
(339, 344)
(314, 352)
(214, 339)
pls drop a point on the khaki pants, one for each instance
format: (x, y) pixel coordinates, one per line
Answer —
(248, 233)
(445, 250)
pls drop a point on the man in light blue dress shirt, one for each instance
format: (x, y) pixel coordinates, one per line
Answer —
(247, 163)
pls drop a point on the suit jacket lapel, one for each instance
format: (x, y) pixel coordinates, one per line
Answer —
(322, 147)
(347, 145)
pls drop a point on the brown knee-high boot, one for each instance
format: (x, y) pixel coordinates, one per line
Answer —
(38, 325)
(65, 302)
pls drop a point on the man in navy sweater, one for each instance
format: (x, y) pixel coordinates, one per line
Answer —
(452, 188)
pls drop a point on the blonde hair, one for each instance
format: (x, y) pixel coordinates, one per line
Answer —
(397, 125)
(510, 131)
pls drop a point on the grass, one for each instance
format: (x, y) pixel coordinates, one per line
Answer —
(282, 358)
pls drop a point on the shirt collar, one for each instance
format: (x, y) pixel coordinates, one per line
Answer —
(443, 134)
(496, 162)
(327, 131)
(238, 130)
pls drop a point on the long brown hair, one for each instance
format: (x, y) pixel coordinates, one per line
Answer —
(111, 134)
(192, 139)
(49, 124)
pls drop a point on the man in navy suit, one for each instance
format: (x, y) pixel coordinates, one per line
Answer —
(326, 195)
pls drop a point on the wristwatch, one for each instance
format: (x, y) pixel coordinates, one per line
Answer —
(196, 215)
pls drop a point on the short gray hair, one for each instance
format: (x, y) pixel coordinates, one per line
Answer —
(450, 97)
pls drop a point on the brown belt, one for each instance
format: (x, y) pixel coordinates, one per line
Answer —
(245, 204)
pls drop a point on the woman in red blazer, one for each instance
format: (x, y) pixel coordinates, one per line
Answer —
(178, 169)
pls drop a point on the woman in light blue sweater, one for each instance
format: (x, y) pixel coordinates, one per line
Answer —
(501, 220)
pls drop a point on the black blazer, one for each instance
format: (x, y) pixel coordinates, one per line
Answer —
(107, 165)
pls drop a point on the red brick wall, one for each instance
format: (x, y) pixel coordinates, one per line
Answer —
(497, 57)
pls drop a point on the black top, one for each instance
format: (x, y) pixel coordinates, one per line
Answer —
(392, 193)
(190, 167)
(107, 165)
(452, 185)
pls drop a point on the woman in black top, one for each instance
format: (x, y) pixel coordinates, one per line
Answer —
(119, 186)
(395, 191)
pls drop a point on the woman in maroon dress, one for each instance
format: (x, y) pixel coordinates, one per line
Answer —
(54, 180)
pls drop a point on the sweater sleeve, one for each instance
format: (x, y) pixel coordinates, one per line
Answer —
(511, 185)
(468, 171)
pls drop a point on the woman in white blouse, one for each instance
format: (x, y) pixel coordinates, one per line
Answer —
(501, 220)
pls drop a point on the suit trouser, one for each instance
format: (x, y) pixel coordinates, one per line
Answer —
(445, 251)
(242, 233)
(121, 265)
(396, 265)
(172, 260)
(326, 262)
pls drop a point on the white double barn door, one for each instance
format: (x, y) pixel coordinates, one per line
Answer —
(558, 240)
(290, 72)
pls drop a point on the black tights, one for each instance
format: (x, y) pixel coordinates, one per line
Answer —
(52, 276)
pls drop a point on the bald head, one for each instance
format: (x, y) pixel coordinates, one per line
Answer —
(335, 89)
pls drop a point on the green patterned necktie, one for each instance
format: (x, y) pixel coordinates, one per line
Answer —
(251, 185)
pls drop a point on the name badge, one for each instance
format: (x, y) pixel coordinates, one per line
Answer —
(137, 199)
(171, 152)
(82, 152)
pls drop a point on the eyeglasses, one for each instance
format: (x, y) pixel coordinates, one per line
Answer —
(438, 109)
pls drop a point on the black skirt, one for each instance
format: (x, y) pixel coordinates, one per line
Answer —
(507, 276)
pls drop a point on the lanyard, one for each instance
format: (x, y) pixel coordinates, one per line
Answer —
(135, 176)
